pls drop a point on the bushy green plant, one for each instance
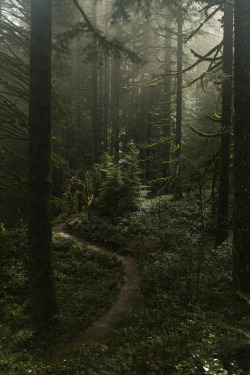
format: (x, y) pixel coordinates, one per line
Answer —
(111, 190)
(120, 187)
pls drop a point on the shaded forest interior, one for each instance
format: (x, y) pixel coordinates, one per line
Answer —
(129, 121)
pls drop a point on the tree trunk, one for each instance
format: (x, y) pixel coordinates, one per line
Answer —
(106, 88)
(0, 16)
(145, 131)
(223, 198)
(101, 104)
(106, 104)
(178, 137)
(148, 125)
(167, 91)
(241, 232)
(95, 117)
(42, 284)
(115, 99)
(78, 106)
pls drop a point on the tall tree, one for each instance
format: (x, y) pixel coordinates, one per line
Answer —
(94, 79)
(42, 285)
(146, 98)
(167, 91)
(115, 102)
(241, 232)
(106, 87)
(0, 16)
(223, 198)
(78, 94)
(178, 136)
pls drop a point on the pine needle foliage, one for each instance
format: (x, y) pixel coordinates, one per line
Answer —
(121, 189)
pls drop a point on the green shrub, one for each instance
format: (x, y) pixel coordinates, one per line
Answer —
(120, 187)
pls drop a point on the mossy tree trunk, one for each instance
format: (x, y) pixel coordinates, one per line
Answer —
(42, 285)
(241, 235)
(223, 198)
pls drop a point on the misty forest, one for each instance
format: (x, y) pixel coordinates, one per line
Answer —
(124, 187)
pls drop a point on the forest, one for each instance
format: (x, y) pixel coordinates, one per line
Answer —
(124, 187)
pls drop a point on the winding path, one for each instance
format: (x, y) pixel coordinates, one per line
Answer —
(128, 297)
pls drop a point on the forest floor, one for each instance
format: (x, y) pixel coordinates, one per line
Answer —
(182, 322)
(128, 297)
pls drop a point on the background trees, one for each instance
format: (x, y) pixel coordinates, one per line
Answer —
(86, 84)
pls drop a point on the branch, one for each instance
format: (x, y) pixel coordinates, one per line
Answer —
(205, 135)
(202, 23)
(113, 45)
(204, 58)
(218, 64)
(13, 187)
(215, 117)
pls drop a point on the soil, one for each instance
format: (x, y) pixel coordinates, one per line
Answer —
(127, 300)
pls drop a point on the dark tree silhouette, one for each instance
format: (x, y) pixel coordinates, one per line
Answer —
(179, 101)
(42, 286)
(167, 90)
(94, 79)
(241, 239)
(223, 199)
(115, 101)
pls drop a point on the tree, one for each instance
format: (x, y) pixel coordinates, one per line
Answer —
(115, 102)
(167, 90)
(223, 198)
(178, 136)
(241, 231)
(14, 49)
(120, 188)
(78, 106)
(106, 87)
(94, 79)
(0, 16)
(42, 285)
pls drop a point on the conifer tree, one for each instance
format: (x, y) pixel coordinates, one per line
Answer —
(178, 137)
(241, 237)
(42, 285)
(223, 198)
(167, 89)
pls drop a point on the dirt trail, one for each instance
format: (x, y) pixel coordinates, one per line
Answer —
(128, 297)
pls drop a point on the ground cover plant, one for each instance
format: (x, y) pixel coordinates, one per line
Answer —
(87, 285)
(186, 322)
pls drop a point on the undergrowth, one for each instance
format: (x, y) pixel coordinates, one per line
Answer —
(87, 285)
(186, 322)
